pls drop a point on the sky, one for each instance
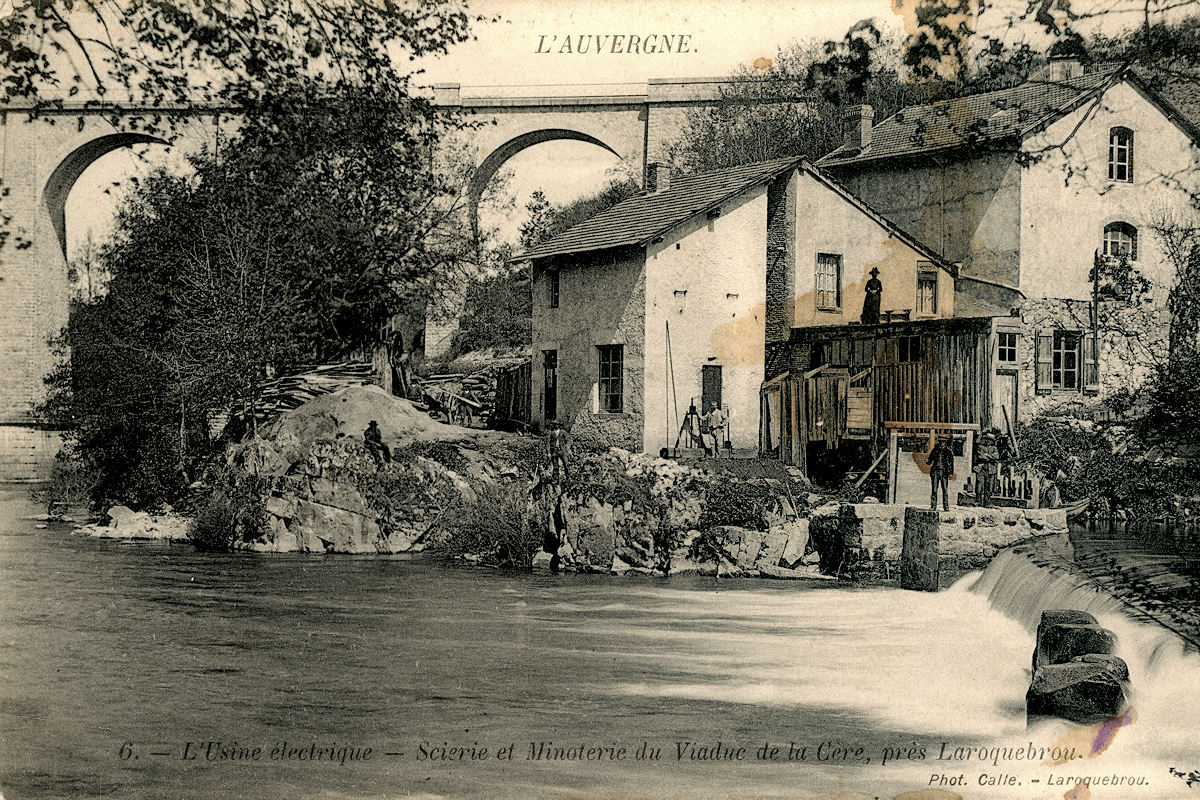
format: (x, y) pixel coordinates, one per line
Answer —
(504, 57)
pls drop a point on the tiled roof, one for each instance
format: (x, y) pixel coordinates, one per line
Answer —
(1180, 90)
(975, 118)
(644, 217)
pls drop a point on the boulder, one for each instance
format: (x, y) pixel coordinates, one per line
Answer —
(797, 544)
(339, 495)
(541, 560)
(590, 528)
(774, 542)
(321, 528)
(1114, 664)
(1064, 634)
(1078, 691)
(752, 542)
(127, 521)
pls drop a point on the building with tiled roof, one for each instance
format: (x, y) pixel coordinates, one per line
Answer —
(678, 296)
(1026, 188)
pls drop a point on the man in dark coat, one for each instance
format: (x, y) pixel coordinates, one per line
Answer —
(987, 460)
(874, 290)
(941, 467)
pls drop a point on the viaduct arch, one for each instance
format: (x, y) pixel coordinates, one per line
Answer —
(636, 122)
(42, 156)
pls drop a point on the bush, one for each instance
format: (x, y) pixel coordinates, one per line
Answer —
(71, 483)
(735, 503)
(501, 527)
(234, 514)
(214, 528)
(1175, 400)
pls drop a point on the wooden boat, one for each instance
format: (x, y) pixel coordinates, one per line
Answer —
(1078, 507)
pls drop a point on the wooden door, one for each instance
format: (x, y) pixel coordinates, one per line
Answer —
(710, 387)
(1004, 399)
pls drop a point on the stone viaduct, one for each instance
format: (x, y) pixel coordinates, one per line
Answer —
(42, 155)
(636, 125)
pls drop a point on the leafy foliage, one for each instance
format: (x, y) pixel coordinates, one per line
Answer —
(323, 215)
(502, 527)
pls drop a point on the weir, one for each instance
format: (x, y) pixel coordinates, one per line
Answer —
(1019, 587)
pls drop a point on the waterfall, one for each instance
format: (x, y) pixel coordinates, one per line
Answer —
(1024, 580)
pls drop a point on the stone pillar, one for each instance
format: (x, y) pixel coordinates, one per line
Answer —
(919, 559)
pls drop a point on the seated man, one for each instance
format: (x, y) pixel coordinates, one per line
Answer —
(375, 446)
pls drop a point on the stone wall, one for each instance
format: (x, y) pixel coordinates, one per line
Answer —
(867, 539)
(1133, 342)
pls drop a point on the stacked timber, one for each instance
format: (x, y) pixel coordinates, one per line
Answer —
(290, 391)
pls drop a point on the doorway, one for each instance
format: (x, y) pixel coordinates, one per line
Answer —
(550, 395)
(710, 387)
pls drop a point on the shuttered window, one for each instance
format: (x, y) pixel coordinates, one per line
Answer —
(829, 281)
(1066, 361)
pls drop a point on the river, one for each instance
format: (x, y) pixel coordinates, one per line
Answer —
(120, 661)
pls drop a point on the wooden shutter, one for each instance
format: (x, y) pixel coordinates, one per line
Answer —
(1044, 361)
(1091, 364)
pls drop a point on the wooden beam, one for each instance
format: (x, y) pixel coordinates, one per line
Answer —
(870, 469)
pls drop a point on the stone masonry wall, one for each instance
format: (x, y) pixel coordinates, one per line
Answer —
(1133, 341)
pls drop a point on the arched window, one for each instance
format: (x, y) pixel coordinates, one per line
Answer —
(1120, 238)
(1120, 154)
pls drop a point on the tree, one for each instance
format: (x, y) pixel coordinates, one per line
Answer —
(793, 106)
(329, 208)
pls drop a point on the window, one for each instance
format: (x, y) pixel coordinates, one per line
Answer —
(910, 349)
(1120, 239)
(1006, 347)
(829, 281)
(927, 292)
(553, 277)
(1120, 154)
(612, 362)
(1064, 370)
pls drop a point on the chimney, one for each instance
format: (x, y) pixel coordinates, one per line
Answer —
(658, 177)
(856, 127)
(1062, 68)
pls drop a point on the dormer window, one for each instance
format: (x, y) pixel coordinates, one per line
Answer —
(1120, 239)
(1120, 155)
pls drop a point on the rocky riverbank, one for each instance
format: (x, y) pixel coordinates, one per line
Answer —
(309, 482)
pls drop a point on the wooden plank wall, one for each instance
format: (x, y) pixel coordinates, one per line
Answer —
(949, 383)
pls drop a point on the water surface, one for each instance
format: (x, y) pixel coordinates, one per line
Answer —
(105, 644)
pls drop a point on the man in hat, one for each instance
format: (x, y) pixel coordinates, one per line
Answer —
(375, 446)
(941, 467)
(987, 463)
(874, 289)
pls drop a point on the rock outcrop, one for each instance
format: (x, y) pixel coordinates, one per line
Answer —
(1075, 674)
(125, 523)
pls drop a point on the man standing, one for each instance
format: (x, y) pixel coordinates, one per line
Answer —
(717, 420)
(987, 460)
(557, 444)
(941, 467)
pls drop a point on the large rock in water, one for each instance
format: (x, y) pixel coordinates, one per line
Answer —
(1064, 635)
(1080, 691)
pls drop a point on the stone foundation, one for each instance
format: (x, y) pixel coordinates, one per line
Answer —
(866, 539)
